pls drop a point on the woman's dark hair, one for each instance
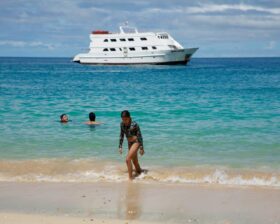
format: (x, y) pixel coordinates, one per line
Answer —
(91, 116)
(61, 116)
(125, 113)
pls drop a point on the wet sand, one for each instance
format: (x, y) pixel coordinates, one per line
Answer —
(136, 203)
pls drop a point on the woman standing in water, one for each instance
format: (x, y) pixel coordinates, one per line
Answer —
(133, 134)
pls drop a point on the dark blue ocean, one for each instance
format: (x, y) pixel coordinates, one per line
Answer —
(213, 121)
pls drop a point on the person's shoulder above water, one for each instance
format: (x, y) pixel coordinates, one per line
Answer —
(93, 123)
(92, 118)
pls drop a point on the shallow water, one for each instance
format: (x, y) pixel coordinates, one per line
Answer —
(214, 114)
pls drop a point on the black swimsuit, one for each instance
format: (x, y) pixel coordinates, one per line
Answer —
(130, 131)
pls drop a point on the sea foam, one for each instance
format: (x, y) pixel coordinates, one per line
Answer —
(92, 170)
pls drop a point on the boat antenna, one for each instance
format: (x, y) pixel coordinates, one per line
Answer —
(125, 24)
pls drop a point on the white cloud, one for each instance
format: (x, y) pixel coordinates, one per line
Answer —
(216, 8)
(210, 14)
(265, 22)
(14, 43)
(210, 8)
(271, 45)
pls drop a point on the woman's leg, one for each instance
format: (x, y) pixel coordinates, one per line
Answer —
(136, 164)
(131, 154)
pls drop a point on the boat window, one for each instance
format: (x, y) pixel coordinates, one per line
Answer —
(112, 49)
(105, 49)
(144, 48)
(122, 39)
(143, 38)
(162, 37)
(154, 47)
(132, 49)
(106, 40)
(120, 49)
(173, 47)
(130, 39)
(113, 40)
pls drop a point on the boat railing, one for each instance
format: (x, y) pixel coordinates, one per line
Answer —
(128, 29)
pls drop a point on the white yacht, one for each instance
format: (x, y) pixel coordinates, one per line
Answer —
(132, 47)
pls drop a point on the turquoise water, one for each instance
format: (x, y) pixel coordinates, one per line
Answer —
(213, 112)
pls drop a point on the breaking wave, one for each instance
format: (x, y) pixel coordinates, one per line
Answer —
(93, 170)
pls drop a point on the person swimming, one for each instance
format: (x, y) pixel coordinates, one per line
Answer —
(133, 134)
(64, 118)
(92, 121)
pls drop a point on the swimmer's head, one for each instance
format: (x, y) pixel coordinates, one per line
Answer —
(125, 115)
(63, 118)
(91, 116)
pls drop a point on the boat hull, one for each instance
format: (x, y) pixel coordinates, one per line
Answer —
(172, 57)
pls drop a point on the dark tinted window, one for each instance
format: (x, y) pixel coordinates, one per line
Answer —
(132, 48)
(130, 39)
(106, 49)
(154, 47)
(122, 39)
(144, 48)
(143, 38)
(112, 49)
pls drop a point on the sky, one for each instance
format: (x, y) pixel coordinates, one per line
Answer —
(60, 28)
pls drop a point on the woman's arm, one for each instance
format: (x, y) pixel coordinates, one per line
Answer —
(139, 136)
(121, 136)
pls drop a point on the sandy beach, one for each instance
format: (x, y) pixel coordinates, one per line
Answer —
(171, 115)
(136, 203)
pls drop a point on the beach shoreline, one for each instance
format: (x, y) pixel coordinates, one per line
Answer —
(132, 202)
(91, 170)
